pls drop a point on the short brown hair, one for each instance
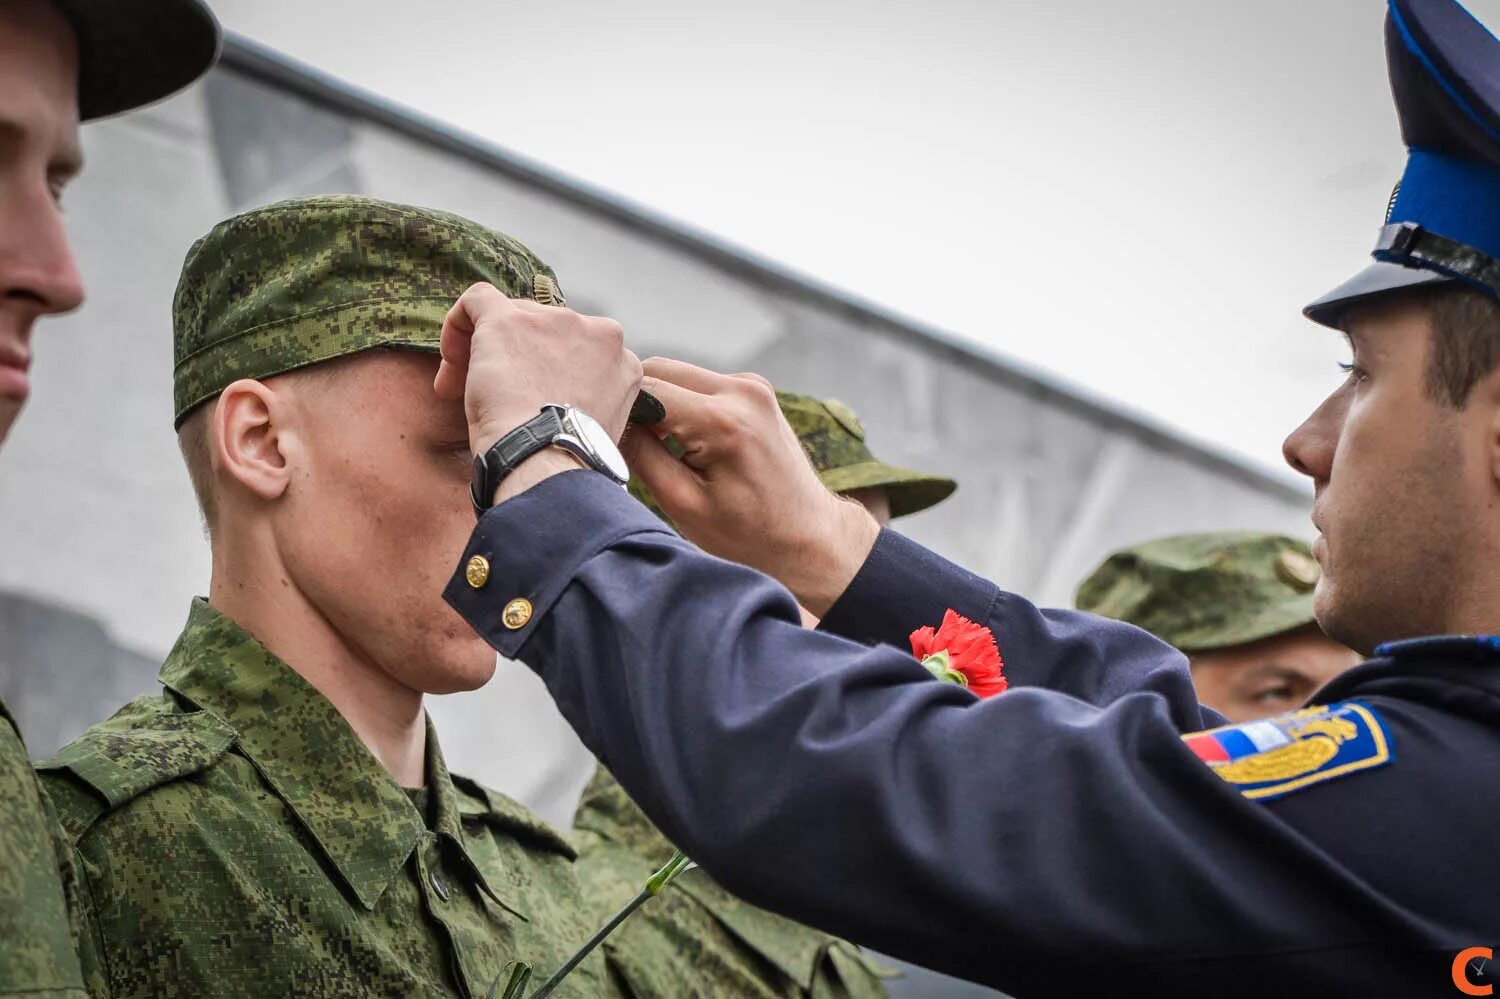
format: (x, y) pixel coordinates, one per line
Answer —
(192, 440)
(1465, 342)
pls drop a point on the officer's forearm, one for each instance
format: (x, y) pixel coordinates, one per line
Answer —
(839, 784)
(903, 586)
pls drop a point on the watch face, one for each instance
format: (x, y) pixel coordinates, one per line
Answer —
(597, 440)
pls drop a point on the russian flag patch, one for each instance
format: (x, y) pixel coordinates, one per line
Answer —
(1292, 751)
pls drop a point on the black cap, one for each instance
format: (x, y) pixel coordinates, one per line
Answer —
(135, 52)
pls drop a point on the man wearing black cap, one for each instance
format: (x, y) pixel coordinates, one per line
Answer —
(1092, 830)
(60, 63)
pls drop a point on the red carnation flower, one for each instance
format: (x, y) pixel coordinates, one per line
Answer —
(962, 652)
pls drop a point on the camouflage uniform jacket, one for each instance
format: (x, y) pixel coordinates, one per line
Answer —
(695, 939)
(235, 837)
(37, 955)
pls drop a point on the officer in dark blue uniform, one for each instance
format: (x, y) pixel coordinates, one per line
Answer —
(1093, 830)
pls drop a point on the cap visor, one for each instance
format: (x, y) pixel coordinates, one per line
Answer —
(136, 52)
(1379, 279)
(909, 491)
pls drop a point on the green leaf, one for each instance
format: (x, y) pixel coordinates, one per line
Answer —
(515, 987)
(940, 665)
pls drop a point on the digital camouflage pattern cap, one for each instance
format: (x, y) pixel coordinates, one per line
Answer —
(1207, 591)
(313, 279)
(834, 440)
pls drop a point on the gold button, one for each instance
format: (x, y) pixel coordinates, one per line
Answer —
(477, 572)
(517, 613)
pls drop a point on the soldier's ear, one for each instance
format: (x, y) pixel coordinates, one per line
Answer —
(251, 435)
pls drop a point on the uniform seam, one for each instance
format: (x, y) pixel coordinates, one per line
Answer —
(86, 889)
(1364, 943)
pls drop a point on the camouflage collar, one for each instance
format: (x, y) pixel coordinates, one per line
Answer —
(608, 812)
(310, 756)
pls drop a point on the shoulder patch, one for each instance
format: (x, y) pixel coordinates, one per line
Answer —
(1271, 757)
(478, 803)
(132, 753)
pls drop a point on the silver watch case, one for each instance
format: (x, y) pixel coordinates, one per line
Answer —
(583, 437)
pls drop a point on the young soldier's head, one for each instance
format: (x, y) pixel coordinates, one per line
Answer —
(333, 480)
(1405, 454)
(61, 63)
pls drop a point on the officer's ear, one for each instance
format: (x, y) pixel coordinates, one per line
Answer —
(1484, 406)
(252, 436)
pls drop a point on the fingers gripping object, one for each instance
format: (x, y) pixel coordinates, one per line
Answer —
(647, 410)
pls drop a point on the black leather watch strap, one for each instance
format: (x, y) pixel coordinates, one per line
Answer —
(491, 467)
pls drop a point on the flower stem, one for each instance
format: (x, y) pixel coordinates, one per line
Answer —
(678, 864)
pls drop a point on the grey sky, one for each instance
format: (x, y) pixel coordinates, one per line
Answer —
(1138, 197)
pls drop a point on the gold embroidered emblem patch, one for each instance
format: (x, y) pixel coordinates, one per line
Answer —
(1276, 755)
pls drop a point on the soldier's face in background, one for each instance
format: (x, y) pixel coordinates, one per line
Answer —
(378, 513)
(875, 499)
(39, 154)
(1269, 677)
(1401, 507)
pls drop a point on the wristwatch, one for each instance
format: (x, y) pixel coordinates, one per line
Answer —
(566, 427)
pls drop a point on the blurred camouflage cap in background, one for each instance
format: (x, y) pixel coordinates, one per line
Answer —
(834, 440)
(1207, 591)
(313, 279)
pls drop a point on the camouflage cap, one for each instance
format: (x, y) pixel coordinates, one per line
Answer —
(312, 279)
(1207, 591)
(834, 439)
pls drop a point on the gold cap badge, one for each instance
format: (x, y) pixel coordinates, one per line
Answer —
(1299, 571)
(544, 291)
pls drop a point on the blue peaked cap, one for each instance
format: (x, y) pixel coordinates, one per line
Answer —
(1443, 221)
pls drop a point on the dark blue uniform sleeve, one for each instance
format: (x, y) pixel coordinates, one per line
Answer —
(1058, 832)
(903, 586)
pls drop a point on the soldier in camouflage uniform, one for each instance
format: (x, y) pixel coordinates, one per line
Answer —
(696, 939)
(1240, 604)
(279, 820)
(59, 64)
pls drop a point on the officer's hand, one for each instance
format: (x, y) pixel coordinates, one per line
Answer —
(744, 489)
(508, 357)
